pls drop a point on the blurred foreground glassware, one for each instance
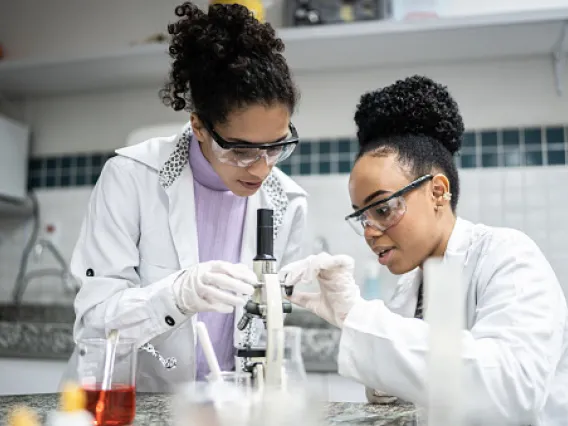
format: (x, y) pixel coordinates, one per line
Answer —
(284, 407)
(212, 404)
(240, 379)
(120, 400)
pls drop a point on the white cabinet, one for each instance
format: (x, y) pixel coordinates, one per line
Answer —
(334, 388)
(26, 376)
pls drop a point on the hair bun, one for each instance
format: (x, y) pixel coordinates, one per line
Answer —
(414, 106)
(226, 33)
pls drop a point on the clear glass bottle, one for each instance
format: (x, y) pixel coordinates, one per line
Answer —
(294, 370)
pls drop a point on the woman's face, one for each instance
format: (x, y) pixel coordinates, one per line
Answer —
(419, 233)
(257, 124)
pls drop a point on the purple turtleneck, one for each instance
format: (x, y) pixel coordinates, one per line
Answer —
(220, 218)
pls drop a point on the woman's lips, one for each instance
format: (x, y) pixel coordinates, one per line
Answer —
(385, 256)
(250, 185)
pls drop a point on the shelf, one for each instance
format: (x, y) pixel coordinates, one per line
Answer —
(310, 49)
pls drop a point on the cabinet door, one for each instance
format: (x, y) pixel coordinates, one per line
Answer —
(341, 389)
(24, 376)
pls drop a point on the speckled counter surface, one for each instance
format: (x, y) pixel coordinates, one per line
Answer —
(155, 410)
(45, 332)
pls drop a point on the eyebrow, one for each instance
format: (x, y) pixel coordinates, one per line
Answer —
(370, 198)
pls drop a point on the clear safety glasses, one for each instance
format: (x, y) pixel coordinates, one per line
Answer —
(245, 154)
(384, 213)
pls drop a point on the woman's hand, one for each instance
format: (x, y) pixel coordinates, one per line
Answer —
(378, 397)
(338, 291)
(213, 286)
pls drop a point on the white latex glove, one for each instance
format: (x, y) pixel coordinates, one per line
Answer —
(338, 291)
(214, 286)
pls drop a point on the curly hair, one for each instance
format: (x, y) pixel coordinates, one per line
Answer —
(224, 60)
(418, 120)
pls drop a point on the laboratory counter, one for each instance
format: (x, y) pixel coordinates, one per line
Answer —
(154, 409)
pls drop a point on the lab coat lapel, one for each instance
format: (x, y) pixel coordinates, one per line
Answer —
(458, 244)
(405, 297)
(183, 226)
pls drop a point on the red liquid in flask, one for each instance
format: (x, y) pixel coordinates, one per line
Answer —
(119, 405)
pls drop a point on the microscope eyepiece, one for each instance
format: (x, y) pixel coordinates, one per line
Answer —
(264, 235)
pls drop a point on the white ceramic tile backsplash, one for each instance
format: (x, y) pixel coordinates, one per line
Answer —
(67, 207)
(534, 200)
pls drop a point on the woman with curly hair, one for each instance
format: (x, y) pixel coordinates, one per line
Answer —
(404, 188)
(170, 231)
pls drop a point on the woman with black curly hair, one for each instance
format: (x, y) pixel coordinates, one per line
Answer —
(170, 232)
(404, 188)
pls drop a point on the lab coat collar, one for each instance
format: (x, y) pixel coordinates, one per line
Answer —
(155, 152)
(460, 239)
(405, 296)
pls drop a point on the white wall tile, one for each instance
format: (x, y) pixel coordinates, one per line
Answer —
(514, 219)
(513, 179)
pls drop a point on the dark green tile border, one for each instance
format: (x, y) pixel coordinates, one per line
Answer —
(507, 147)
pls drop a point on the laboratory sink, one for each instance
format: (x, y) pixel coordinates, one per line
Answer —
(37, 313)
(36, 331)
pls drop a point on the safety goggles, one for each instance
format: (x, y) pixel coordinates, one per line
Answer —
(245, 154)
(383, 214)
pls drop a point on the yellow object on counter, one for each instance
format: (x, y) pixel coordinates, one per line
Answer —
(23, 416)
(73, 398)
(255, 6)
(71, 408)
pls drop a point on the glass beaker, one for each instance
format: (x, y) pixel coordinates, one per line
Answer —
(120, 401)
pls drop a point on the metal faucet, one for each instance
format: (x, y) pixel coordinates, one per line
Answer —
(70, 283)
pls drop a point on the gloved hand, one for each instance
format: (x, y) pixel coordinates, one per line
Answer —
(378, 397)
(338, 291)
(214, 286)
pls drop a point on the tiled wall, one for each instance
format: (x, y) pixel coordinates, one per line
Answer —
(523, 193)
(511, 147)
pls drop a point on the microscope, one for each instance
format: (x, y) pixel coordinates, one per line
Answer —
(266, 303)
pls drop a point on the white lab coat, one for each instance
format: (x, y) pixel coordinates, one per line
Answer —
(140, 232)
(515, 342)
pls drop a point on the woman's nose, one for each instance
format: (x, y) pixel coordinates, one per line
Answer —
(259, 168)
(371, 231)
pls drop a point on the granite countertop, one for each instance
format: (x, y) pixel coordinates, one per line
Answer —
(45, 332)
(155, 410)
